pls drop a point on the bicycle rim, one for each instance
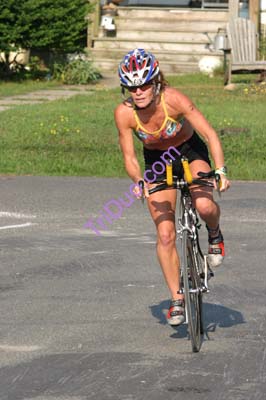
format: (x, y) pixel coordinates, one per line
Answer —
(193, 295)
(197, 259)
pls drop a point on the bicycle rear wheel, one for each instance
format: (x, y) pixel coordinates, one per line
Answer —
(192, 292)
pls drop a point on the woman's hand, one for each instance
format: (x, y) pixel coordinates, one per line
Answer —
(223, 183)
(141, 190)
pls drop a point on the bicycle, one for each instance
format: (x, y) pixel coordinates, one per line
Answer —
(195, 271)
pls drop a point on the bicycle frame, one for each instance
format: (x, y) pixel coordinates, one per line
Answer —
(194, 269)
(192, 277)
(189, 221)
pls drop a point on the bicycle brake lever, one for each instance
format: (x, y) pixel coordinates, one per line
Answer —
(141, 185)
(218, 181)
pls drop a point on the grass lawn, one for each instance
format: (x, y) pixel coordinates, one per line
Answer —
(17, 88)
(78, 136)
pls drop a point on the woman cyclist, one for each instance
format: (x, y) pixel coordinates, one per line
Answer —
(162, 117)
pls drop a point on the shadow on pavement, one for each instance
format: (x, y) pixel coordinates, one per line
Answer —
(213, 315)
(218, 315)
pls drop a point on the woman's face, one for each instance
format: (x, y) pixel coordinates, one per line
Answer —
(142, 95)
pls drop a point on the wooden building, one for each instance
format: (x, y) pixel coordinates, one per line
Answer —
(179, 32)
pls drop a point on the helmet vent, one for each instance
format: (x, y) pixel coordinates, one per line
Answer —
(137, 68)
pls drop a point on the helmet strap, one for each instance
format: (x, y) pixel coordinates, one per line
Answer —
(157, 86)
(123, 92)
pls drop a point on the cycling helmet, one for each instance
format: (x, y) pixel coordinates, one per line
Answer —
(137, 68)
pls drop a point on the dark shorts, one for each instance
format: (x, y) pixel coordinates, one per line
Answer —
(193, 149)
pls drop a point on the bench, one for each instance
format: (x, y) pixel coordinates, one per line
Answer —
(242, 48)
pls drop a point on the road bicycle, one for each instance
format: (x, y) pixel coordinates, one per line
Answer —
(195, 271)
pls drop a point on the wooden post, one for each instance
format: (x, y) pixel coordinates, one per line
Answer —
(93, 23)
(233, 8)
(97, 17)
(233, 13)
(254, 12)
(89, 19)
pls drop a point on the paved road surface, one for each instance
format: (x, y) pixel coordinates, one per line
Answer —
(83, 316)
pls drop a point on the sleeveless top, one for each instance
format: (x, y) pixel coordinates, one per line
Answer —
(169, 128)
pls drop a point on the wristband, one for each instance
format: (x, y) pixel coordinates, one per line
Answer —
(221, 170)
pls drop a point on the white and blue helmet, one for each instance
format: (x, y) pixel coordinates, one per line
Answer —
(137, 68)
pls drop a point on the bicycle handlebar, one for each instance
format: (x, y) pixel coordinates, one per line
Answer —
(181, 183)
(172, 182)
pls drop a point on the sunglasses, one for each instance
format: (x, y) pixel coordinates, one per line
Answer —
(143, 88)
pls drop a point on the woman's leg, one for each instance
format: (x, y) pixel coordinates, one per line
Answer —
(162, 207)
(207, 208)
(209, 212)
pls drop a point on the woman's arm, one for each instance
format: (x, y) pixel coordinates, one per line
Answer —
(203, 127)
(122, 120)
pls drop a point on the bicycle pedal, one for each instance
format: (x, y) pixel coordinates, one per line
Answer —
(210, 275)
(210, 272)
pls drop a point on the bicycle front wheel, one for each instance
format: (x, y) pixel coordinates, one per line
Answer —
(192, 292)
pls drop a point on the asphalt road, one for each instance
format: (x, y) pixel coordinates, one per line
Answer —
(83, 316)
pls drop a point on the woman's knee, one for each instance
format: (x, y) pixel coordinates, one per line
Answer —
(206, 207)
(166, 237)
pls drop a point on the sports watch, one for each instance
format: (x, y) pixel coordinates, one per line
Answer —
(221, 170)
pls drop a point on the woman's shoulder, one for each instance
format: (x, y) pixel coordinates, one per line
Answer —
(171, 92)
(176, 99)
(125, 107)
(124, 113)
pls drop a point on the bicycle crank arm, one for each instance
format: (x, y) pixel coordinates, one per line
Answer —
(208, 274)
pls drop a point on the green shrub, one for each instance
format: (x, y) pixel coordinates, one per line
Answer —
(77, 72)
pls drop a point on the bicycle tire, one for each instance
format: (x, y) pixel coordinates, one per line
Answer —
(197, 266)
(198, 260)
(192, 292)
